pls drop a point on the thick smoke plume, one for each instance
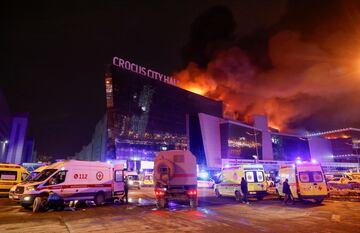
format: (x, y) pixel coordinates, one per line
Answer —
(308, 87)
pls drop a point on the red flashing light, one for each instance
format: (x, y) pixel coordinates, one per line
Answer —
(159, 193)
(192, 192)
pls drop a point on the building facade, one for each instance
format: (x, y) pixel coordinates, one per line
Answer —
(15, 147)
(341, 145)
(96, 149)
(147, 113)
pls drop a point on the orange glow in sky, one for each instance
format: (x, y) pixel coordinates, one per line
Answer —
(197, 90)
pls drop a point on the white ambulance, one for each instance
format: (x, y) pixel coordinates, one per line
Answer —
(306, 181)
(74, 180)
(229, 182)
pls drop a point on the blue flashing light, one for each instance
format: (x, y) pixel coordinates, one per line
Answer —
(108, 161)
(314, 161)
(203, 175)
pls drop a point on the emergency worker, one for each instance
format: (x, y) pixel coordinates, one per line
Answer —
(244, 190)
(287, 191)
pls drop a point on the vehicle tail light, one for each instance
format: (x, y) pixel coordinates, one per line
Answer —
(159, 193)
(192, 192)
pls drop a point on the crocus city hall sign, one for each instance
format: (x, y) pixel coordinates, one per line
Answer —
(127, 65)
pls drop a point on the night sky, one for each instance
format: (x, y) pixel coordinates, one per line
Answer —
(53, 53)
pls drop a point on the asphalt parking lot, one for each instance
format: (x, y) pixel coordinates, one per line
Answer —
(212, 215)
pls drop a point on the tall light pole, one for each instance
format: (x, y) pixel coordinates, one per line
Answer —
(3, 148)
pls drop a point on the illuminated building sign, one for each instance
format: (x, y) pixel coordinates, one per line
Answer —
(127, 65)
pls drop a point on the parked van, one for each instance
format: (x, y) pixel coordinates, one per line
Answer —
(133, 179)
(33, 174)
(10, 175)
(74, 180)
(148, 179)
(175, 177)
(306, 181)
(229, 181)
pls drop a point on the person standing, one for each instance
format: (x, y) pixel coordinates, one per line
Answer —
(244, 190)
(126, 190)
(287, 192)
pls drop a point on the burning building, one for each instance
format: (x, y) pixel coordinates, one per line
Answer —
(147, 112)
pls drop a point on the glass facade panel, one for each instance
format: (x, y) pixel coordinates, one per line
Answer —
(148, 116)
(240, 142)
(288, 148)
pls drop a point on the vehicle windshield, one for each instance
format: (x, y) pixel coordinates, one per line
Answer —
(43, 175)
(31, 176)
(133, 177)
(148, 177)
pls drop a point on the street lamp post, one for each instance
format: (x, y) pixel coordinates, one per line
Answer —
(3, 149)
(256, 158)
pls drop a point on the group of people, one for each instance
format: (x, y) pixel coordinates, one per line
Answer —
(244, 189)
(286, 190)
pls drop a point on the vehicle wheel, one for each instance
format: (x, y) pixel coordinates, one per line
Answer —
(237, 196)
(38, 204)
(217, 193)
(138, 187)
(193, 202)
(318, 201)
(161, 203)
(99, 199)
(260, 198)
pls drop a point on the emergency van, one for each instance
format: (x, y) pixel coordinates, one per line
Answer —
(175, 177)
(148, 179)
(229, 181)
(133, 179)
(306, 181)
(10, 175)
(33, 174)
(74, 180)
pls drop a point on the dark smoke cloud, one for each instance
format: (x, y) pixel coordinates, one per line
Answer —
(301, 81)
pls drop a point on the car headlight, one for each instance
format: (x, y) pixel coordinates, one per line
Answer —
(27, 198)
(131, 182)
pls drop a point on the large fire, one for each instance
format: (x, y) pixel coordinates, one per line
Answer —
(305, 81)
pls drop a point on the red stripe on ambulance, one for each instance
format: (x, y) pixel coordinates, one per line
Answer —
(76, 186)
